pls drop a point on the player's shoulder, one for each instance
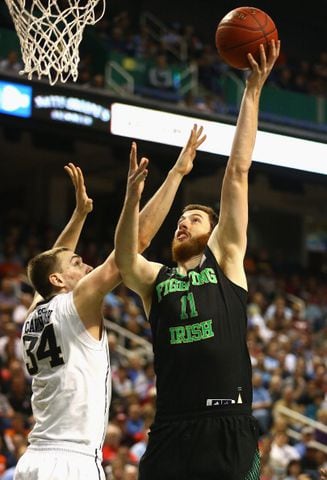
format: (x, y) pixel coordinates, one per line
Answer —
(148, 270)
(157, 266)
(61, 300)
(209, 256)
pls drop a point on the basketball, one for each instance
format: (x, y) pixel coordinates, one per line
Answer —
(242, 31)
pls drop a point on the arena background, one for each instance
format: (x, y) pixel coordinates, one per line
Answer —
(33, 153)
(287, 229)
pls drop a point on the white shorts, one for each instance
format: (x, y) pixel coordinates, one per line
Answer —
(47, 464)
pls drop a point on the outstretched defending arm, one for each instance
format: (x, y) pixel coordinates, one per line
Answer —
(84, 205)
(228, 240)
(137, 273)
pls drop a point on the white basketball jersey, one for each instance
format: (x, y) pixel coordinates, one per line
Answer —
(71, 376)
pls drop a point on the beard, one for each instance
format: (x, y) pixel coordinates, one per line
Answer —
(183, 251)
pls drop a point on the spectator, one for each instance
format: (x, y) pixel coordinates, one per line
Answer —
(307, 435)
(275, 387)
(11, 64)
(8, 295)
(287, 400)
(141, 45)
(138, 449)
(319, 435)
(135, 369)
(19, 312)
(115, 469)
(280, 308)
(10, 348)
(113, 308)
(261, 403)
(130, 472)
(117, 41)
(160, 75)
(19, 395)
(282, 453)
(210, 70)
(284, 78)
(278, 317)
(116, 358)
(256, 320)
(193, 42)
(122, 385)
(144, 384)
(98, 81)
(6, 412)
(11, 264)
(134, 423)
(111, 443)
(171, 39)
(271, 362)
(293, 470)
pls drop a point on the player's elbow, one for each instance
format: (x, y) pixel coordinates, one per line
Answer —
(144, 237)
(144, 243)
(127, 279)
(125, 264)
(238, 170)
(120, 262)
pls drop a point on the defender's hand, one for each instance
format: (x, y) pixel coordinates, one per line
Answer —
(137, 174)
(84, 204)
(184, 163)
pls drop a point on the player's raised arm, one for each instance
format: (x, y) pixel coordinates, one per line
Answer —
(137, 272)
(84, 205)
(106, 277)
(91, 288)
(228, 240)
(156, 210)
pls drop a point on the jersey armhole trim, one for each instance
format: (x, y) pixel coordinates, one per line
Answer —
(79, 330)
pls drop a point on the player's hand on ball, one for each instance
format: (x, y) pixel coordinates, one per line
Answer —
(261, 70)
(242, 31)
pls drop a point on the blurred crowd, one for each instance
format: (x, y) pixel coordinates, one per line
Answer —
(180, 46)
(287, 326)
(287, 310)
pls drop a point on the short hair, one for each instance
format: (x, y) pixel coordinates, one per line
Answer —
(213, 217)
(40, 267)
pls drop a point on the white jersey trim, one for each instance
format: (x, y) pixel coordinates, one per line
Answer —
(68, 447)
(78, 327)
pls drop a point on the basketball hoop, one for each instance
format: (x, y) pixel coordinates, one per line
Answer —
(50, 32)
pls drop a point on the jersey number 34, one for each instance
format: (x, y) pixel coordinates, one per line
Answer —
(47, 348)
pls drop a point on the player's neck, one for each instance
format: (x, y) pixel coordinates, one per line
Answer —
(193, 262)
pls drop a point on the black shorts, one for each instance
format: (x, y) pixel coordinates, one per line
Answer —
(208, 447)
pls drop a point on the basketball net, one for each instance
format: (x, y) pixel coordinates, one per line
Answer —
(50, 32)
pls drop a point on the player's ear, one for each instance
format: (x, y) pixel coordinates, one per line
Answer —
(56, 280)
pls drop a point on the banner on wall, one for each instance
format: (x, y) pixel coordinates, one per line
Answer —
(15, 99)
(71, 107)
(78, 107)
(61, 105)
(173, 129)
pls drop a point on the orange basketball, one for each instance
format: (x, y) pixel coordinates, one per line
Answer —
(242, 31)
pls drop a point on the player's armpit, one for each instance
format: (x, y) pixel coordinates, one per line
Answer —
(141, 275)
(230, 258)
